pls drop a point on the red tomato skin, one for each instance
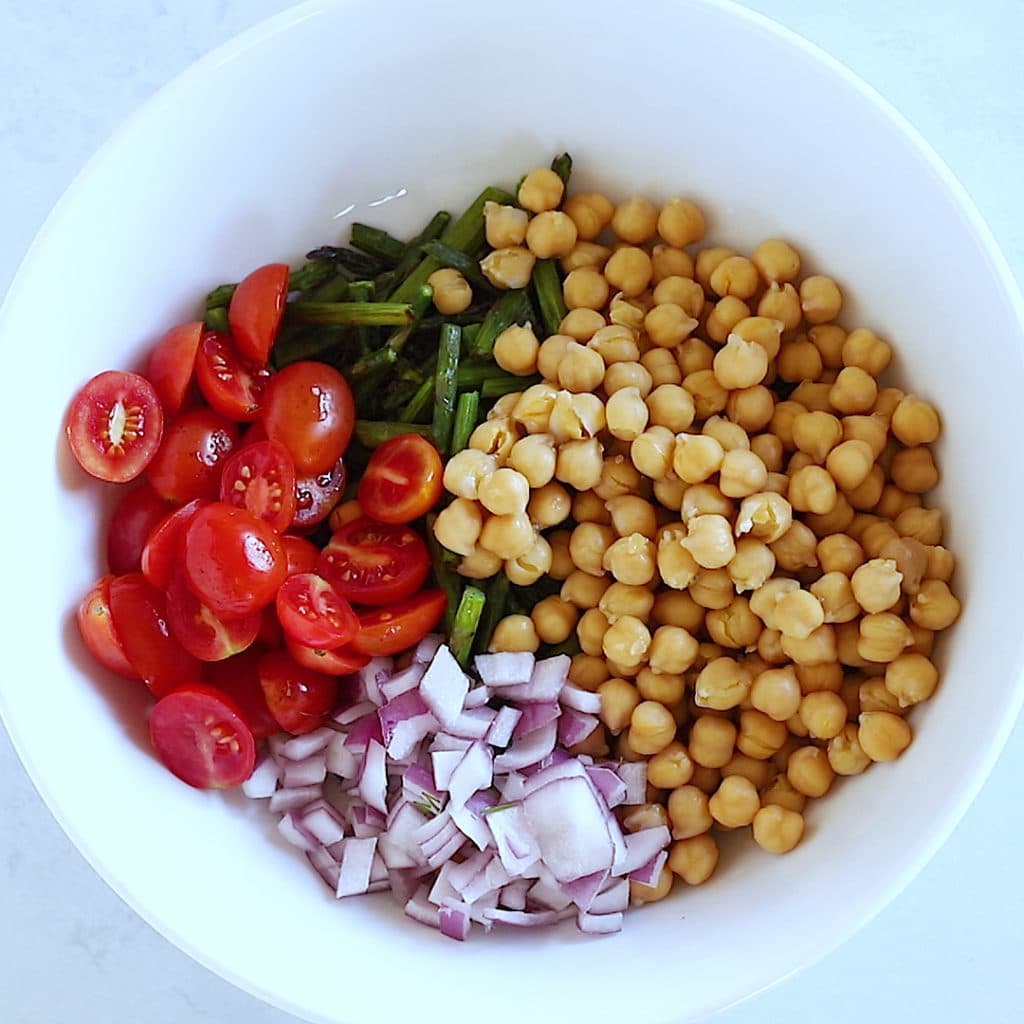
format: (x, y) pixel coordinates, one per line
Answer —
(139, 615)
(260, 477)
(342, 661)
(96, 625)
(313, 613)
(400, 626)
(299, 698)
(172, 363)
(201, 736)
(308, 407)
(302, 554)
(133, 520)
(231, 384)
(126, 403)
(316, 496)
(203, 634)
(163, 546)
(256, 308)
(189, 462)
(233, 561)
(271, 634)
(403, 480)
(239, 677)
(375, 563)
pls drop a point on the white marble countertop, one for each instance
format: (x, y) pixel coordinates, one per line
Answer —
(947, 950)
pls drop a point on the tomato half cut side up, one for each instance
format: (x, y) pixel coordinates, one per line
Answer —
(96, 625)
(202, 633)
(400, 626)
(134, 518)
(189, 461)
(313, 613)
(299, 698)
(342, 661)
(201, 735)
(402, 481)
(232, 385)
(139, 614)
(256, 308)
(375, 563)
(172, 363)
(239, 677)
(115, 425)
(260, 478)
(316, 496)
(163, 547)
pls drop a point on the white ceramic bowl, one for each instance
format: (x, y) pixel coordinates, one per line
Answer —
(269, 146)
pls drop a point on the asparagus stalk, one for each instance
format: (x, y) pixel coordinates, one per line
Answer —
(511, 308)
(419, 404)
(562, 166)
(548, 288)
(364, 314)
(217, 318)
(446, 579)
(413, 253)
(466, 621)
(362, 291)
(309, 276)
(359, 263)
(497, 600)
(220, 296)
(373, 433)
(495, 387)
(334, 289)
(466, 414)
(446, 385)
(465, 265)
(378, 244)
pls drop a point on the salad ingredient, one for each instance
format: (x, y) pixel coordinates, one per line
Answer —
(131, 523)
(239, 677)
(256, 308)
(399, 626)
(171, 364)
(313, 613)
(203, 633)
(232, 384)
(96, 624)
(115, 425)
(260, 478)
(188, 462)
(299, 698)
(402, 480)
(162, 549)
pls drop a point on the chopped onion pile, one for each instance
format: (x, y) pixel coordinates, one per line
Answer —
(459, 796)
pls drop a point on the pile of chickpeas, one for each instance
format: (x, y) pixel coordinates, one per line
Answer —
(733, 502)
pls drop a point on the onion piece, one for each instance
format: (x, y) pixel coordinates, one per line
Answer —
(373, 780)
(575, 726)
(445, 762)
(529, 749)
(366, 821)
(551, 897)
(341, 759)
(292, 831)
(608, 784)
(460, 875)
(356, 867)
(473, 724)
(613, 899)
(545, 681)
(584, 890)
(404, 722)
(513, 895)
(444, 686)
(446, 741)
(477, 697)
(521, 918)
(569, 769)
(372, 674)
(417, 782)
(516, 845)
(642, 846)
(474, 772)
(650, 872)
(308, 772)
(472, 826)
(454, 920)
(263, 780)
(323, 823)
(506, 669)
(365, 730)
(599, 924)
(427, 648)
(291, 799)
(634, 775)
(298, 748)
(351, 714)
(325, 866)
(403, 884)
(580, 700)
(402, 682)
(513, 787)
(503, 726)
(419, 908)
(533, 716)
(446, 852)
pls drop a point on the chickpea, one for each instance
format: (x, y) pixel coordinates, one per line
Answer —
(875, 534)
(798, 614)
(516, 350)
(751, 408)
(681, 291)
(760, 735)
(579, 463)
(509, 267)
(829, 339)
(631, 559)
(734, 626)
(627, 641)
(619, 698)
(783, 420)
(696, 457)
(865, 349)
(941, 563)
(735, 802)
(850, 463)
(820, 298)
(615, 344)
(712, 588)
(681, 223)
(627, 375)
(709, 540)
(580, 369)
(626, 599)
(627, 414)
(839, 553)
(823, 714)
(740, 364)
(668, 406)
(452, 293)
(812, 489)
(662, 687)
(495, 437)
(824, 676)
(765, 598)
(669, 261)
(670, 768)
(915, 422)
(587, 507)
(712, 742)
(585, 254)
(694, 860)
(911, 560)
(632, 514)
(705, 499)
(873, 695)
(883, 636)
(913, 470)
(769, 648)
(796, 549)
(541, 190)
(673, 650)
(588, 672)
(818, 433)
(934, 606)
(588, 544)
(798, 360)
(742, 474)
(693, 356)
(854, 391)
(551, 234)
(777, 829)
(618, 477)
(668, 324)
(923, 525)
(507, 536)
(708, 261)
(752, 565)
(735, 275)
(819, 647)
(835, 521)
(809, 771)
(590, 212)
(835, 594)
(504, 492)
(688, 812)
(628, 310)
(780, 793)
(590, 631)
(549, 505)
(911, 678)
(664, 370)
(765, 516)
(629, 270)
(724, 317)
(722, 684)
(677, 608)
(651, 728)
(465, 470)
(504, 226)
(781, 303)
(876, 584)
(528, 567)
(669, 493)
(883, 736)
(777, 261)
(514, 633)
(458, 526)
(582, 324)
(554, 619)
(479, 564)
(652, 452)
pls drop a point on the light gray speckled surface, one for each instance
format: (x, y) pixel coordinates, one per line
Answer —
(946, 951)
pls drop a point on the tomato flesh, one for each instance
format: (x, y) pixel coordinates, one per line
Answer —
(400, 626)
(402, 481)
(375, 563)
(201, 735)
(316, 496)
(313, 613)
(256, 308)
(302, 554)
(239, 677)
(172, 363)
(139, 616)
(164, 544)
(299, 698)
(202, 633)
(133, 520)
(342, 661)
(115, 425)
(260, 478)
(233, 561)
(190, 459)
(232, 385)
(96, 625)
(308, 407)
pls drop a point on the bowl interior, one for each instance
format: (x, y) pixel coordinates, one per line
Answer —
(335, 112)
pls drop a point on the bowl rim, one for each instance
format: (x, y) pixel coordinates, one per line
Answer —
(927, 844)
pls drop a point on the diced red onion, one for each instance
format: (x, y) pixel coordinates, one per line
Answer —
(496, 875)
(533, 716)
(290, 799)
(613, 899)
(507, 669)
(442, 888)
(478, 909)
(454, 921)
(569, 769)
(642, 846)
(373, 780)
(396, 858)
(444, 762)
(402, 682)
(551, 897)
(460, 875)
(599, 924)
(608, 784)
(372, 674)
(575, 726)
(323, 823)
(529, 749)
(444, 687)
(308, 772)
(513, 787)
(583, 890)
(418, 781)
(325, 865)
(545, 682)
(618, 842)
(474, 772)
(477, 697)
(516, 845)
(419, 908)
(404, 722)
(298, 748)
(503, 726)
(263, 780)
(432, 827)
(513, 895)
(580, 700)
(365, 731)
(366, 821)
(650, 872)
(446, 852)
(473, 724)
(351, 714)
(480, 886)
(341, 759)
(557, 756)
(521, 918)
(471, 825)
(446, 741)
(634, 775)
(427, 648)
(356, 866)
(293, 832)
(403, 884)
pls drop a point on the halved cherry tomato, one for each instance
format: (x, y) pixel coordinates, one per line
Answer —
(402, 481)
(256, 308)
(133, 520)
(399, 626)
(203, 634)
(298, 698)
(375, 563)
(233, 561)
(172, 362)
(260, 478)
(313, 613)
(342, 661)
(232, 385)
(308, 407)
(164, 546)
(96, 625)
(114, 426)
(139, 615)
(302, 554)
(201, 735)
(271, 634)
(190, 458)
(239, 677)
(316, 496)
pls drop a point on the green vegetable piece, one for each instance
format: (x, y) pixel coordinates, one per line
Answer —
(443, 562)
(446, 385)
(217, 318)
(467, 618)
(494, 611)
(466, 266)
(512, 308)
(467, 413)
(366, 314)
(562, 166)
(413, 253)
(377, 243)
(373, 433)
(547, 286)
